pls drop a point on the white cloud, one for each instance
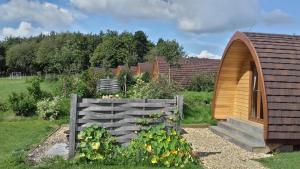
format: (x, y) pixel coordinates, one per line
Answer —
(205, 16)
(206, 54)
(277, 16)
(25, 29)
(46, 14)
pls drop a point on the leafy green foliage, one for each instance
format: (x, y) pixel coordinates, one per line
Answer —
(21, 56)
(3, 106)
(169, 49)
(95, 144)
(35, 90)
(197, 107)
(158, 88)
(125, 76)
(146, 77)
(154, 147)
(50, 109)
(202, 82)
(84, 85)
(160, 147)
(22, 104)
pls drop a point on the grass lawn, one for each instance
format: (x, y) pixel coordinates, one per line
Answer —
(18, 136)
(7, 86)
(197, 107)
(282, 161)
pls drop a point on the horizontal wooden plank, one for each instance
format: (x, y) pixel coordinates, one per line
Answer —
(92, 108)
(284, 128)
(279, 66)
(282, 78)
(282, 85)
(284, 121)
(284, 106)
(283, 135)
(85, 100)
(283, 99)
(283, 92)
(282, 113)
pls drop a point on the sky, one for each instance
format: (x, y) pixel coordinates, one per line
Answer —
(202, 27)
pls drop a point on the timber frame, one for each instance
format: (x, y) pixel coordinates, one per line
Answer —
(277, 61)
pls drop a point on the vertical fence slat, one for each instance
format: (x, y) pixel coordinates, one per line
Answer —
(180, 110)
(73, 117)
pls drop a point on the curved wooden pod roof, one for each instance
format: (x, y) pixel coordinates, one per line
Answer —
(277, 59)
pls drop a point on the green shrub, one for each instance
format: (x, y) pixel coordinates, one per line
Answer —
(3, 107)
(202, 82)
(95, 144)
(125, 75)
(50, 109)
(197, 107)
(146, 77)
(22, 104)
(139, 90)
(159, 88)
(51, 78)
(160, 147)
(35, 90)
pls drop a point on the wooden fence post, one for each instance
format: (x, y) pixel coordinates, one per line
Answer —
(179, 101)
(72, 134)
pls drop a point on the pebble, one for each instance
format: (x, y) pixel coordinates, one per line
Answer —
(217, 153)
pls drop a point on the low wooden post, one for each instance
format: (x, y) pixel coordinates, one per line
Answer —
(179, 101)
(72, 130)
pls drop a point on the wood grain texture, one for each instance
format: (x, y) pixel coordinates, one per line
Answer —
(123, 118)
(277, 58)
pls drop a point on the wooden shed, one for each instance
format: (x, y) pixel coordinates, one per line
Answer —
(186, 69)
(143, 67)
(257, 90)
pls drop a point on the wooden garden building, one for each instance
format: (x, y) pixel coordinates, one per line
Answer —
(143, 68)
(186, 69)
(257, 91)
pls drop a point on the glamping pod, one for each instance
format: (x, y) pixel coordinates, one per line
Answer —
(257, 91)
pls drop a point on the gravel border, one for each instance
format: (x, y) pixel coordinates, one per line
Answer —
(58, 136)
(217, 153)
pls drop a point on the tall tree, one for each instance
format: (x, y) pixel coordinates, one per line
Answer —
(2, 58)
(20, 57)
(141, 45)
(170, 50)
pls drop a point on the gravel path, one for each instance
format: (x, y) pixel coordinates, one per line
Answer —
(217, 153)
(40, 152)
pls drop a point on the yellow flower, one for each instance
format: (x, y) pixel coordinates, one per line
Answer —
(95, 146)
(166, 154)
(174, 152)
(149, 148)
(154, 160)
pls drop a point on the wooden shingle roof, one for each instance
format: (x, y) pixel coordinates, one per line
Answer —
(279, 59)
(188, 67)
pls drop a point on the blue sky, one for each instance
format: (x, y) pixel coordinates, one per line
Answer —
(203, 27)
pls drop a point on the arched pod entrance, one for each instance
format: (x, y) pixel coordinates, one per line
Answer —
(239, 89)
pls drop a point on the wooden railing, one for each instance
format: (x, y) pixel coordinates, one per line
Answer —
(123, 118)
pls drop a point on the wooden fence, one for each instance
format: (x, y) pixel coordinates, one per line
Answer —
(108, 85)
(123, 118)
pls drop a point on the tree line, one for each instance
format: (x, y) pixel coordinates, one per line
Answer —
(67, 52)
